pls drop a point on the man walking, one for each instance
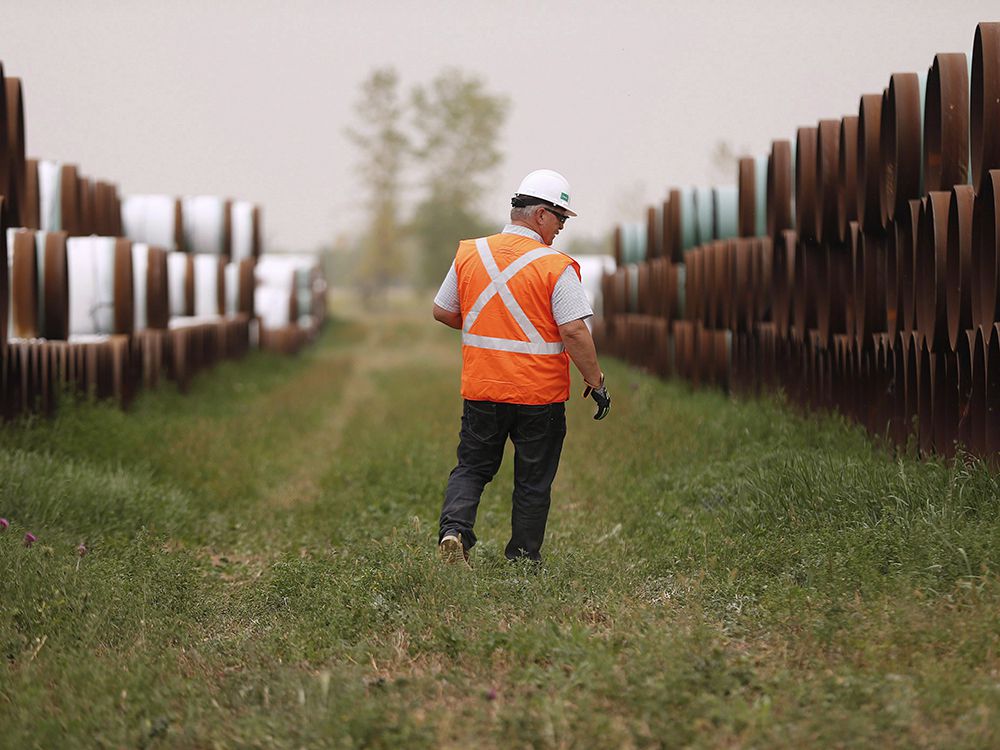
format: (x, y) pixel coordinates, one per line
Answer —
(521, 309)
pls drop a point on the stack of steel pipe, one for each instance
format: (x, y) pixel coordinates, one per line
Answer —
(93, 299)
(867, 279)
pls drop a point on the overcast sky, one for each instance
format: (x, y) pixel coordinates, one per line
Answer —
(250, 98)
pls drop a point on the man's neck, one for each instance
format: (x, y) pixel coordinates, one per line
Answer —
(526, 225)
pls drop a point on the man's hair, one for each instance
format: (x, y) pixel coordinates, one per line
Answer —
(523, 213)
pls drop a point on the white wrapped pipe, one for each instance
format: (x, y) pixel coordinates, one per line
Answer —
(177, 272)
(49, 196)
(91, 267)
(280, 279)
(232, 288)
(151, 219)
(244, 230)
(207, 270)
(272, 305)
(206, 224)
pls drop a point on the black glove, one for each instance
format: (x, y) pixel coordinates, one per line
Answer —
(601, 396)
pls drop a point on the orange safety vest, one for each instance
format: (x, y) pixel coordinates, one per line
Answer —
(511, 348)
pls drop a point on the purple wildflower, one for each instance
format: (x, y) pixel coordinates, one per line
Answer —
(81, 549)
(29, 539)
(492, 695)
(4, 523)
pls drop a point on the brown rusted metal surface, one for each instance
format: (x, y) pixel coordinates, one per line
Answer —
(946, 123)
(747, 205)
(925, 397)
(930, 270)
(780, 182)
(30, 207)
(958, 266)
(124, 313)
(847, 177)
(984, 103)
(869, 169)
(14, 187)
(900, 144)
(805, 183)
(985, 248)
(907, 226)
(55, 288)
(827, 180)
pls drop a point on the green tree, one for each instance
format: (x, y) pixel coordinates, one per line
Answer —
(384, 150)
(458, 123)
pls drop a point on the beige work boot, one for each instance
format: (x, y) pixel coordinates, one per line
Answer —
(452, 550)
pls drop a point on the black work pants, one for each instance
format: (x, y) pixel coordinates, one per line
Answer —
(537, 432)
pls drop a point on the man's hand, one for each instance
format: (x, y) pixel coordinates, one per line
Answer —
(600, 394)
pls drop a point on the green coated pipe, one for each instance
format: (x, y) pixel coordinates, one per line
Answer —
(689, 220)
(725, 212)
(703, 214)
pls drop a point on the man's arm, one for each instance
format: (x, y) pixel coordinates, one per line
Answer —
(580, 347)
(452, 319)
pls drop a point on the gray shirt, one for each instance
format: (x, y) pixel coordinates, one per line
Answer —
(569, 300)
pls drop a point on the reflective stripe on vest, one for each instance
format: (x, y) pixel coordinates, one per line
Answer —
(498, 285)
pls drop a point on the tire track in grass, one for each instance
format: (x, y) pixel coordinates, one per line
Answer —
(381, 349)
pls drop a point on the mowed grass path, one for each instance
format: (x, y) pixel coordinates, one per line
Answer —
(261, 572)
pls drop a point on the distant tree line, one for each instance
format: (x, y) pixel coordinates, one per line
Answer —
(439, 141)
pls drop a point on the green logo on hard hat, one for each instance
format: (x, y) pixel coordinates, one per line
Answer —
(564, 196)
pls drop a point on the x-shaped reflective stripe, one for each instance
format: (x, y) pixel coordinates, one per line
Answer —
(498, 286)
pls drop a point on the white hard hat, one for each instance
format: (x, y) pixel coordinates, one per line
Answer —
(548, 185)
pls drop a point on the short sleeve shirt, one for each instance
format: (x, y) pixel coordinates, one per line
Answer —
(569, 300)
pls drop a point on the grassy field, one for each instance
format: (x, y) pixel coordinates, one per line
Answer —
(260, 571)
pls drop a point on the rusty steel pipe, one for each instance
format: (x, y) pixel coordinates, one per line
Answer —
(930, 270)
(653, 238)
(4, 151)
(780, 183)
(24, 286)
(944, 396)
(870, 285)
(827, 179)
(804, 298)
(959, 263)
(805, 183)
(985, 248)
(764, 265)
(925, 397)
(964, 362)
(993, 392)
(900, 146)
(869, 164)
(30, 210)
(984, 103)
(905, 257)
(69, 199)
(54, 323)
(911, 391)
(893, 313)
(977, 396)
(747, 185)
(946, 123)
(16, 168)
(882, 385)
(739, 317)
(847, 177)
(899, 429)
(784, 280)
